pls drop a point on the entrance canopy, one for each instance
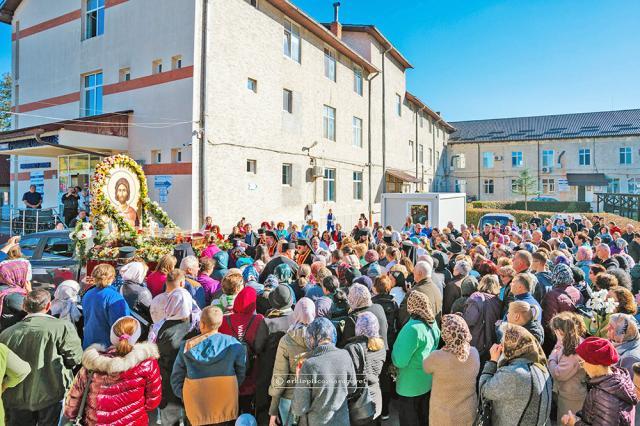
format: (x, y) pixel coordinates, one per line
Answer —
(587, 179)
(402, 176)
(104, 134)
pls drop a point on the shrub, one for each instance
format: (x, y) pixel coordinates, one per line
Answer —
(539, 206)
(474, 215)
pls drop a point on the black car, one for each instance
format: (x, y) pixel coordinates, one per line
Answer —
(52, 256)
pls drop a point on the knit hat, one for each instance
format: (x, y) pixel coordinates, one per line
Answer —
(371, 256)
(597, 351)
(562, 275)
(281, 297)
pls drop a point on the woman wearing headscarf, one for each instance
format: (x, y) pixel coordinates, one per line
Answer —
(290, 350)
(481, 312)
(14, 286)
(134, 291)
(177, 327)
(324, 402)
(359, 299)
(417, 339)
(454, 369)
(562, 297)
(65, 303)
(125, 380)
(468, 286)
(367, 342)
(622, 331)
(516, 380)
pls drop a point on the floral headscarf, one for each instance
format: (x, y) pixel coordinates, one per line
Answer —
(14, 273)
(517, 342)
(320, 329)
(562, 275)
(419, 305)
(367, 325)
(359, 297)
(457, 337)
(250, 274)
(271, 281)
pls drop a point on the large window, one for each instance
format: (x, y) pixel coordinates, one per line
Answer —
(287, 100)
(548, 186)
(625, 155)
(330, 64)
(516, 159)
(613, 185)
(488, 186)
(357, 132)
(291, 41)
(329, 123)
(460, 185)
(94, 18)
(487, 160)
(357, 185)
(633, 186)
(286, 174)
(547, 158)
(584, 157)
(329, 184)
(357, 81)
(92, 95)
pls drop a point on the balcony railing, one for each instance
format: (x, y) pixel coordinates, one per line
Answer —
(28, 221)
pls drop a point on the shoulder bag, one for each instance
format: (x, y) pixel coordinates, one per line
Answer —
(361, 406)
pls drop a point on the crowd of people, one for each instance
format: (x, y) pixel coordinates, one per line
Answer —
(511, 324)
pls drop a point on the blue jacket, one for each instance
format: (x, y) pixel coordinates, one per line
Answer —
(101, 308)
(206, 367)
(527, 297)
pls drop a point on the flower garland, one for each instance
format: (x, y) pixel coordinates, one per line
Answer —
(101, 206)
(81, 235)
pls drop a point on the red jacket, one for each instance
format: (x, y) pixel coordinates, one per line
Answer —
(122, 389)
(244, 308)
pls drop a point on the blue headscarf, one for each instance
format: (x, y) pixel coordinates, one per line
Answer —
(562, 275)
(283, 273)
(320, 329)
(250, 274)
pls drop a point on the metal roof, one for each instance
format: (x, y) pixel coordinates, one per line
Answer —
(6, 10)
(587, 179)
(564, 126)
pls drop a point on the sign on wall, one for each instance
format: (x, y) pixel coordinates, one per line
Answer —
(37, 179)
(563, 185)
(162, 183)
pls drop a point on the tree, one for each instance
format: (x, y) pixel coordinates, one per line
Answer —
(525, 185)
(5, 101)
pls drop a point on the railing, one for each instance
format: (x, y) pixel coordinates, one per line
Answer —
(28, 221)
(626, 205)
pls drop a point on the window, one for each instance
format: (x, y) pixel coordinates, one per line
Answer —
(286, 174)
(28, 246)
(633, 186)
(547, 158)
(614, 185)
(515, 187)
(156, 156)
(398, 105)
(437, 157)
(329, 183)
(412, 151)
(176, 155)
(430, 154)
(357, 132)
(124, 74)
(329, 64)
(421, 154)
(516, 159)
(58, 248)
(252, 166)
(357, 81)
(253, 3)
(548, 186)
(156, 66)
(625, 155)
(329, 123)
(291, 41)
(430, 126)
(460, 185)
(357, 185)
(488, 186)
(252, 85)
(487, 160)
(176, 62)
(584, 156)
(92, 95)
(94, 19)
(421, 120)
(287, 100)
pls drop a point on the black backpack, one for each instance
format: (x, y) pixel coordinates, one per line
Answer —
(250, 353)
(391, 309)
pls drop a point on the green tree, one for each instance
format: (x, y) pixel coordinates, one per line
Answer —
(5, 101)
(526, 185)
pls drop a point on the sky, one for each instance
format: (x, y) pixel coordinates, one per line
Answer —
(478, 59)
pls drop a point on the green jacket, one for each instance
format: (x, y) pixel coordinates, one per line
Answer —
(52, 348)
(13, 370)
(413, 344)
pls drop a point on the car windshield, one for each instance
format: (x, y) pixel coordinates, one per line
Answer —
(493, 219)
(58, 248)
(28, 246)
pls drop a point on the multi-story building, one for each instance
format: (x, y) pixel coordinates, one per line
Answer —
(245, 107)
(571, 156)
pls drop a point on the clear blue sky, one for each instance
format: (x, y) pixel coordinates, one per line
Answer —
(479, 59)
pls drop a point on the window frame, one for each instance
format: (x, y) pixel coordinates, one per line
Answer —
(176, 62)
(548, 185)
(460, 184)
(399, 104)
(358, 81)
(329, 123)
(421, 153)
(357, 127)
(517, 159)
(99, 12)
(358, 186)
(489, 186)
(488, 160)
(252, 85)
(330, 64)
(124, 74)
(291, 39)
(97, 90)
(287, 100)
(412, 148)
(329, 184)
(584, 156)
(625, 156)
(252, 164)
(287, 174)
(546, 153)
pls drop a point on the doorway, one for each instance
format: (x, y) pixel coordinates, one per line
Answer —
(581, 193)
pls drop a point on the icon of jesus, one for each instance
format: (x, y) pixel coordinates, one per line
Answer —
(122, 196)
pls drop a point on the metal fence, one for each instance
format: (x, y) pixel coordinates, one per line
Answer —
(28, 221)
(626, 205)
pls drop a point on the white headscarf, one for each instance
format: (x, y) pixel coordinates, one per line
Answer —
(176, 305)
(132, 339)
(134, 271)
(65, 299)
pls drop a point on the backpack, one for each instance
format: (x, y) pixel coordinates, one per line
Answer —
(250, 353)
(390, 308)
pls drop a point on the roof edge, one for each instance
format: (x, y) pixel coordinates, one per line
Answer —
(414, 99)
(380, 38)
(7, 10)
(545, 115)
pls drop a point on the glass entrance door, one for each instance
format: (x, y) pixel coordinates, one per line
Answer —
(75, 171)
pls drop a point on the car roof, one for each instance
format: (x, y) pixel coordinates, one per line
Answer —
(53, 233)
(498, 215)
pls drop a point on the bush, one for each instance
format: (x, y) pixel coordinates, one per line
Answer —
(474, 215)
(539, 206)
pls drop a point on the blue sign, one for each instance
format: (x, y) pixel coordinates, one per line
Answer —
(35, 165)
(163, 181)
(37, 179)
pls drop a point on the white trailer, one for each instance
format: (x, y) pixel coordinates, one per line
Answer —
(437, 207)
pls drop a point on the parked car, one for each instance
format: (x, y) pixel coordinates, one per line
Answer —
(492, 218)
(545, 199)
(564, 216)
(52, 256)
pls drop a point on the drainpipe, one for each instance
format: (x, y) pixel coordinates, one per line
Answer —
(479, 192)
(369, 161)
(415, 148)
(538, 167)
(202, 119)
(384, 124)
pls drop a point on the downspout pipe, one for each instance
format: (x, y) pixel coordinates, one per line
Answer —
(479, 184)
(202, 119)
(369, 148)
(415, 148)
(384, 123)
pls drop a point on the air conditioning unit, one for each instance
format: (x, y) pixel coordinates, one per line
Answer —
(498, 157)
(547, 170)
(317, 171)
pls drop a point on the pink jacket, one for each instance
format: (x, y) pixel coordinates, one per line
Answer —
(567, 374)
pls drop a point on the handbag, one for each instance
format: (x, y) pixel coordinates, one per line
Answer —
(83, 403)
(483, 413)
(361, 406)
